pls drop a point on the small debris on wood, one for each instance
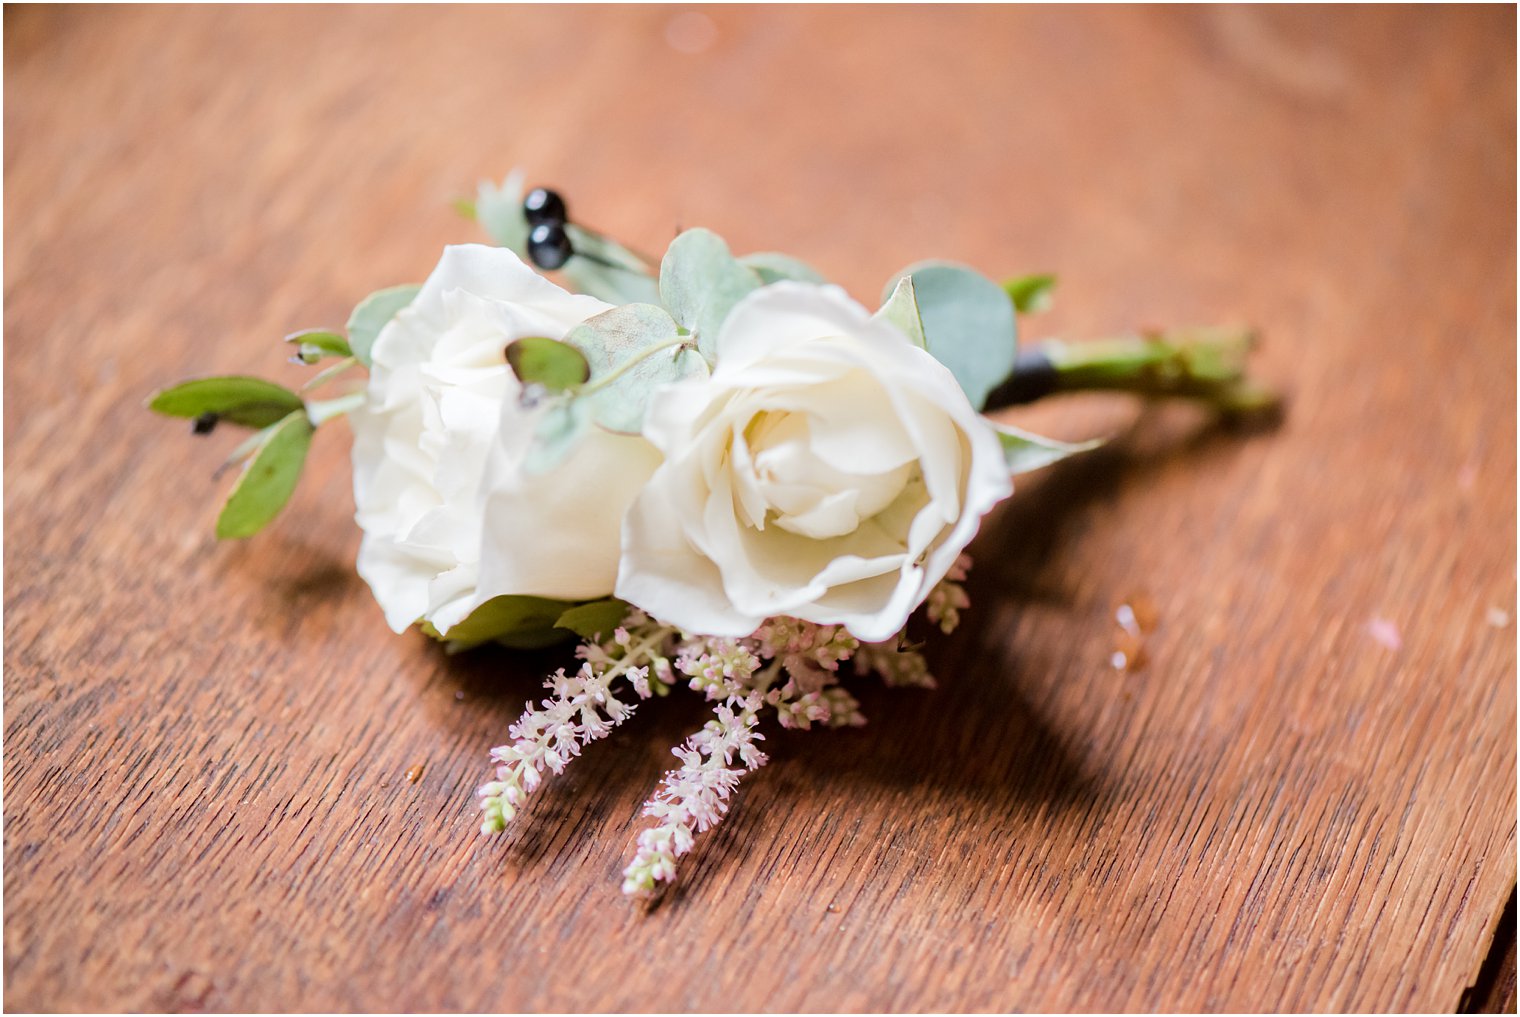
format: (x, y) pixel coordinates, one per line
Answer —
(1385, 633)
(1136, 617)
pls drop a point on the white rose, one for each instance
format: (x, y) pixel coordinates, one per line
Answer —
(828, 469)
(450, 519)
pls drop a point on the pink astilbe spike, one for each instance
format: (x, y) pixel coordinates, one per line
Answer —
(694, 798)
(581, 708)
(949, 598)
(789, 666)
(897, 665)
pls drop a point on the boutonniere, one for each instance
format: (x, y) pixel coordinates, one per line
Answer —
(719, 472)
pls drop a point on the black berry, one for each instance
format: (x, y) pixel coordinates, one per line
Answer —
(544, 206)
(549, 246)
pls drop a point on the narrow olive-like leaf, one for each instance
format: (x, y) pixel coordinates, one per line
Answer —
(374, 313)
(773, 266)
(632, 350)
(901, 310)
(1026, 451)
(517, 621)
(969, 325)
(1030, 293)
(539, 360)
(313, 344)
(268, 479)
(245, 448)
(700, 282)
(329, 372)
(250, 402)
(596, 620)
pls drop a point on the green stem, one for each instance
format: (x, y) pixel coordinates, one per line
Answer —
(1205, 365)
(628, 365)
(639, 651)
(322, 410)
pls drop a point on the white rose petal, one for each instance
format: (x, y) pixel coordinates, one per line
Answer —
(450, 519)
(828, 469)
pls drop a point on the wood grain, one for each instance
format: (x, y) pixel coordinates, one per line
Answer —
(206, 746)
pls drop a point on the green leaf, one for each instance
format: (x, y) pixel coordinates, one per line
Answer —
(969, 325)
(499, 212)
(268, 479)
(596, 620)
(600, 267)
(329, 372)
(624, 348)
(772, 266)
(538, 360)
(1030, 293)
(562, 424)
(374, 313)
(700, 282)
(245, 448)
(1026, 451)
(901, 310)
(251, 402)
(315, 343)
(523, 623)
(607, 270)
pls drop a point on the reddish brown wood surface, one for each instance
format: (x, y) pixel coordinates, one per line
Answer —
(206, 746)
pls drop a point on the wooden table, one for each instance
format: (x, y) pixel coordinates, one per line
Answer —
(1305, 800)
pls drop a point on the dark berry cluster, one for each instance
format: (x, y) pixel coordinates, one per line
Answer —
(548, 244)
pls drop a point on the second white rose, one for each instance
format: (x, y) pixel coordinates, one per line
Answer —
(828, 470)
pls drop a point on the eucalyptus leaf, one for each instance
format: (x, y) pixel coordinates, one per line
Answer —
(700, 282)
(605, 269)
(250, 402)
(523, 623)
(499, 212)
(1026, 451)
(969, 325)
(561, 424)
(539, 360)
(268, 479)
(313, 344)
(901, 310)
(632, 351)
(773, 266)
(600, 266)
(374, 313)
(1030, 293)
(596, 620)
